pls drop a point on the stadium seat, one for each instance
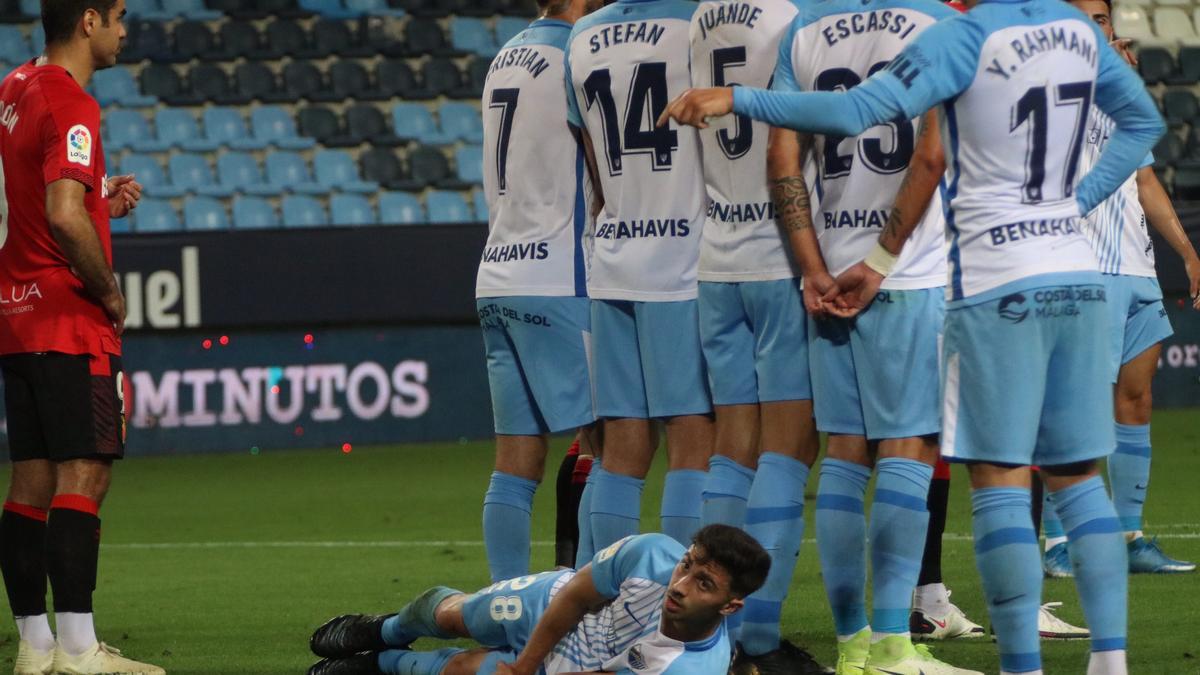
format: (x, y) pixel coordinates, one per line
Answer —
(508, 27)
(238, 39)
(255, 81)
(333, 9)
(424, 36)
(288, 172)
(192, 173)
(448, 207)
(258, 9)
(429, 167)
(205, 213)
(334, 36)
(351, 209)
(413, 121)
(31, 8)
(400, 208)
(473, 36)
(146, 9)
(443, 78)
(207, 83)
(348, 79)
(384, 35)
(285, 37)
(322, 124)
(128, 129)
(394, 78)
(1168, 150)
(1155, 64)
(1134, 23)
(481, 207)
(193, 40)
(227, 127)
(469, 162)
(365, 122)
(178, 127)
(1172, 25)
(147, 40)
(461, 121)
(116, 85)
(373, 7)
(1187, 184)
(120, 225)
(276, 126)
(152, 177)
(336, 170)
(192, 9)
(254, 213)
(13, 46)
(161, 80)
(37, 39)
(1180, 106)
(239, 171)
(300, 211)
(1189, 67)
(155, 215)
(382, 166)
(477, 72)
(301, 79)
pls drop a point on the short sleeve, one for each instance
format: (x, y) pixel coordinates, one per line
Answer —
(70, 140)
(649, 556)
(1149, 161)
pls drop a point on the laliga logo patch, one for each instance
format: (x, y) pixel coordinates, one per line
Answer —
(79, 145)
(636, 660)
(1012, 308)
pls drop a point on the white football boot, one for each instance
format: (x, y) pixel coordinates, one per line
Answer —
(32, 662)
(100, 659)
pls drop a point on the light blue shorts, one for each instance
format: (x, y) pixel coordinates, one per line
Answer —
(1026, 378)
(1138, 319)
(876, 375)
(537, 358)
(755, 341)
(647, 359)
(503, 615)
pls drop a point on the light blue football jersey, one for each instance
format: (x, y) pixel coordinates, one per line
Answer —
(1016, 79)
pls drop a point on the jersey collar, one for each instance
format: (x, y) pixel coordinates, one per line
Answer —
(550, 22)
(708, 642)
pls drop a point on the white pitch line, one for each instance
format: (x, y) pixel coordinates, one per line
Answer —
(418, 543)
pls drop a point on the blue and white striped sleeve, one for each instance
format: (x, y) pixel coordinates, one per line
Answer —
(936, 66)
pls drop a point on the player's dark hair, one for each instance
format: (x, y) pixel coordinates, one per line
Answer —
(59, 17)
(739, 553)
(553, 6)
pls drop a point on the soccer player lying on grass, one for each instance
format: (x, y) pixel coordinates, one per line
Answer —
(644, 605)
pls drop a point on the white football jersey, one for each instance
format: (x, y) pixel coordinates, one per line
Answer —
(1116, 228)
(625, 63)
(534, 173)
(737, 42)
(833, 46)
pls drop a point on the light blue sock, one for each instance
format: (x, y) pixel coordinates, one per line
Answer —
(842, 542)
(680, 514)
(899, 520)
(775, 517)
(416, 619)
(1006, 552)
(1129, 474)
(506, 509)
(586, 550)
(616, 507)
(1099, 558)
(1050, 522)
(726, 492)
(404, 662)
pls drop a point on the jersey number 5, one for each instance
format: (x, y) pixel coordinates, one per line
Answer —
(637, 135)
(739, 144)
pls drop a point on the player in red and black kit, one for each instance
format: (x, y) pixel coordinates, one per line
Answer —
(61, 318)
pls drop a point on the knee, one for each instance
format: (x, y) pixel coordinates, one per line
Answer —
(85, 477)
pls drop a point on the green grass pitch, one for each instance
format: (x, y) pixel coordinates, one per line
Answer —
(225, 563)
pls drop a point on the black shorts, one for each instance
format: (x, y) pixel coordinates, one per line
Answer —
(64, 406)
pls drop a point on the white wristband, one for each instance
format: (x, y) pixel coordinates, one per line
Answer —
(881, 260)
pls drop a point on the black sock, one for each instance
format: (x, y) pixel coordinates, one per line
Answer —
(23, 558)
(566, 525)
(1035, 494)
(72, 555)
(931, 561)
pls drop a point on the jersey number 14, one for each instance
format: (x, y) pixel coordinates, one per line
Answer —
(634, 132)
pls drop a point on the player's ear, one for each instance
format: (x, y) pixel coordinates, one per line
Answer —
(733, 607)
(91, 19)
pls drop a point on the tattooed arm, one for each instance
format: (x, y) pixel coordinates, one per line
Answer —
(786, 153)
(857, 286)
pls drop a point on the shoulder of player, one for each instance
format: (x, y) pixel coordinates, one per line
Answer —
(811, 13)
(543, 32)
(617, 12)
(63, 95)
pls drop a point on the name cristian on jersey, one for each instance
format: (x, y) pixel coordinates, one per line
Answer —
(1041, 40)
(511, 252)
(637, 229)
(521, 57)
(1007, 234)
(750, 212)
(622, 33)
(856, 219)
(869, 22)
(729, 14)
